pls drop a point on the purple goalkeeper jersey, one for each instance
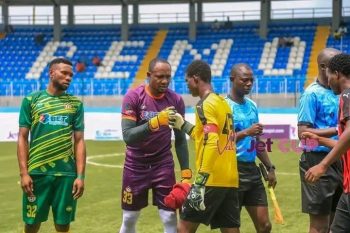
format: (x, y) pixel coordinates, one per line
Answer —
(139, 105)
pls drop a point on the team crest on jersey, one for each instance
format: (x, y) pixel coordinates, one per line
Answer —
(31, 199)
(128, 189)
(39, 105)
(46, 118)
(68, 106)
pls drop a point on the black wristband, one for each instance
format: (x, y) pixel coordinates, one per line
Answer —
(269, 168)
(187, 127)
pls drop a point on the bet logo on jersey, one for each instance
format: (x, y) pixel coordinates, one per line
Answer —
(46, 118)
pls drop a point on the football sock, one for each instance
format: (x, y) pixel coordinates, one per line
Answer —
(169, 220)
(129, 221)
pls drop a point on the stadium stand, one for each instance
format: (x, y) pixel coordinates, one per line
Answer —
(278, 68)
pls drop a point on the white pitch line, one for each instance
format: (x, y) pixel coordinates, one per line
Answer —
(287, 173)
(88, 160)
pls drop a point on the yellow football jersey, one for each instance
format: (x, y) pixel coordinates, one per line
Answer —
(214, 139)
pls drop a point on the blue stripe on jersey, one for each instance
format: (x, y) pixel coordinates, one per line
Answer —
(244, 116)
(318, 108)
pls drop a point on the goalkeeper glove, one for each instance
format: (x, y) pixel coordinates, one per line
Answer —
(197, 191)
(162, 118)
(186, 175)
(176, 121)
(177, 196)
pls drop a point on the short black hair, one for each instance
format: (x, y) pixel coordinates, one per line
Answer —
(156, 60)
(59, 60)
(340, 63)
(201, 69)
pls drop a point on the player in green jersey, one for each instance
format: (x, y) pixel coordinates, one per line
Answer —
(52, 163)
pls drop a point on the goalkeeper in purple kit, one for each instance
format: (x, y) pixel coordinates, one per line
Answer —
(149, 163)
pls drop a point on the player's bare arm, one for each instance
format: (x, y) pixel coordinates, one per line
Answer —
(314, 173)
(22, 155)
(254, 130)
(80, 157)
(321, 140)
(329, 132)
(264, 158)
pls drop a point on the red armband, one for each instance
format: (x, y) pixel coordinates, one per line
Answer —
(210, 128)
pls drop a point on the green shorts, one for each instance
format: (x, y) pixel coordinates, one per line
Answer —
(55, 191)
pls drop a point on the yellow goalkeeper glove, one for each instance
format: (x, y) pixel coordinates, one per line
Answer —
(162, 118)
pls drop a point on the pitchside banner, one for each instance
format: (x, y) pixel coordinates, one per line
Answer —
(107, 126)
(276, 132)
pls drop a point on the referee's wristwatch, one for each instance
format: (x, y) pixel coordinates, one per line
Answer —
(270, 168)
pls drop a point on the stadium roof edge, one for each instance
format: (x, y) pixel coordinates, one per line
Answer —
(111, 2)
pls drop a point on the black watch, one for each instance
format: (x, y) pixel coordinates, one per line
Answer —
(270, 168)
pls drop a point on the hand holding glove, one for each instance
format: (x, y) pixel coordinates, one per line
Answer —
(197, 191)
(162, 118)
(176, 121)
(177, 196)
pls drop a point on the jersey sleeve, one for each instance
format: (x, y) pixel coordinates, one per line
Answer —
(207, 115)
(25, 116)
(344, 108)
(78, 124)
(307, 109)
(129, 109)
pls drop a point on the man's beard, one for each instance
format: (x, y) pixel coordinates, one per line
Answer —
(60, 87)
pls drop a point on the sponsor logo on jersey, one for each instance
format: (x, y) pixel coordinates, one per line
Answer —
(146, 115)
(46, 118)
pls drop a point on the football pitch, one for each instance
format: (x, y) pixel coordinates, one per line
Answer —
(99, 209)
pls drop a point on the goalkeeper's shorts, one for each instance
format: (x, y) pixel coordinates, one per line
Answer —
(222, 209)
(139, 179)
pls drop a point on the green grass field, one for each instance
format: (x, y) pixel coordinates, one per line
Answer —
(99, 209)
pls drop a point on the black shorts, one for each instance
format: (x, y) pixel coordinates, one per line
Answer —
(320, 198)
(341, 221)
(222, 209)
(251, 191)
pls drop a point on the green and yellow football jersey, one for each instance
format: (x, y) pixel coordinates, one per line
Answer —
(52, 121)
